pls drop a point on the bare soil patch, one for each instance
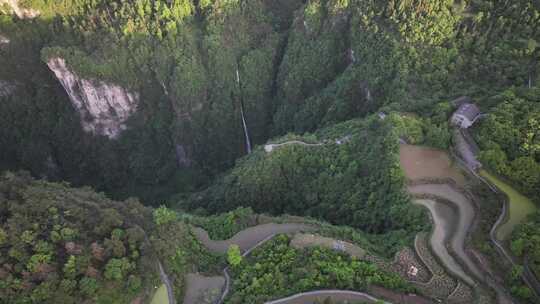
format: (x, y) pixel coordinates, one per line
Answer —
(427, 163)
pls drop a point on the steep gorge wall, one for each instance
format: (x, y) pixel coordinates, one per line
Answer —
(103, 108)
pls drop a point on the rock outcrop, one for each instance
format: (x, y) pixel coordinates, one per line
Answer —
(104, 108)
(182, 157)
(21, 12)
(6, 88)
(4, 40)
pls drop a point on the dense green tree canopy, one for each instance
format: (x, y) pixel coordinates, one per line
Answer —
(352, 183)
(60, 245)
(510, 138)
(300, 66)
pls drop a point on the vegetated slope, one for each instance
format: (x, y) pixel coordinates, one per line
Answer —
(300, 66)
(356, 183)
(66, 245)
(182, 59)
(63, 245)
(526, 245)
(179, 250)
(509, 139)
(277, 270)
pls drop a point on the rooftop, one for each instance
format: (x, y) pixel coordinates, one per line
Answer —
(468, 110)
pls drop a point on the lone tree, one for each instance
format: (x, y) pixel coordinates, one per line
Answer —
(163, 215)
(234, 257)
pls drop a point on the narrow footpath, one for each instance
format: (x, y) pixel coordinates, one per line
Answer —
(468, 147)
(167, 282)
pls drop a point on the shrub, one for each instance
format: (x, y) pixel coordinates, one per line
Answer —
(163, 215)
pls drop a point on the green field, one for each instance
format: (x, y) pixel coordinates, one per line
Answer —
(160, 297)
(520, 206)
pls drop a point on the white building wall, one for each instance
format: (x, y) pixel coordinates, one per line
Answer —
(461, 121)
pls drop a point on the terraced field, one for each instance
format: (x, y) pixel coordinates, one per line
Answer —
(445, 220)
(459, 225)
(438, 185)
(441, 284)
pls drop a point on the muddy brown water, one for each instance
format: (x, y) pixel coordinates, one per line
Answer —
(199, 286)
(466, 213)
(445, 220)
(397, 297)
(422, 162)
(425, 163)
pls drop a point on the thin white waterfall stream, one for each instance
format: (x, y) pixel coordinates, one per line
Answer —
(244, 124)
(246, 133)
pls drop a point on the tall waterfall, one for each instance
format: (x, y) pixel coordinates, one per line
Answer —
(246, 133)
(244, 124)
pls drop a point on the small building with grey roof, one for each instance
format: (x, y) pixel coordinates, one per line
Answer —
(466, 115)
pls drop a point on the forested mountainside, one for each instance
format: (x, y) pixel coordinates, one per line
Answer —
(510, 141)
(158, 88)
(61, 245)
(250, 122)
(353, 163)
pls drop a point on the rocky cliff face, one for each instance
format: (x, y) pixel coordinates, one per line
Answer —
(104, 108)
(23, 13)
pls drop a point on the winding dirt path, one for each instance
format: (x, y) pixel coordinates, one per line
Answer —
(163, 276)
(270, 147)
(248, 237)
(167, 282)
(253, 237)
(248, 240)
(320, 295)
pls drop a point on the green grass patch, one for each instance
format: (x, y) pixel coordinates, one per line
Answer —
(519, 206)
(160, 297)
